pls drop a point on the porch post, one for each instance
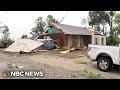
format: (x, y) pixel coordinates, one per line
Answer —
(92, 39)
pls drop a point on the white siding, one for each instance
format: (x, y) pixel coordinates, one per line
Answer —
(99, 39)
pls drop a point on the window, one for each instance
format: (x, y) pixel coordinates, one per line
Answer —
(96, 40)
(102, 41)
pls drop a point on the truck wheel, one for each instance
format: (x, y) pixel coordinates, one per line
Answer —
(104, 64)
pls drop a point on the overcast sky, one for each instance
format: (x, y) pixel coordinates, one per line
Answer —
(21, 22)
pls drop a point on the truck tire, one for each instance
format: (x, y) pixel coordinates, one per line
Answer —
(104, 64)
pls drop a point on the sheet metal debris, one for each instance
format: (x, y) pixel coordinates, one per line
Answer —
(24, 45)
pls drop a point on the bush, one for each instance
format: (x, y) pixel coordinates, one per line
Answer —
(9, 42)
(113, 42)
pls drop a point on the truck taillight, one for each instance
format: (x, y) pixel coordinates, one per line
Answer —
(89, 48)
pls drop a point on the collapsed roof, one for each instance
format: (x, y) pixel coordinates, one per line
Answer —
(25, 45)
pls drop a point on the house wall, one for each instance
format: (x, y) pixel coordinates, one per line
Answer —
(83, 41)
(56, 35)
(71, 40)
(76, 41)
(99, 38)
(59, 38)
(54, 30)
(86, 40)
(66, 40)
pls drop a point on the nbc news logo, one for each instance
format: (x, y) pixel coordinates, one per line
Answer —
(23, 73)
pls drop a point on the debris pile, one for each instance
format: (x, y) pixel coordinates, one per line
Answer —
(66, 50)
(48, 45)
(23, 45)
(29, 45)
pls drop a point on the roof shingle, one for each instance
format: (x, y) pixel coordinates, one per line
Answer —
(69, 29)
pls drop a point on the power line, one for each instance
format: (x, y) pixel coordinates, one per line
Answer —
(64, 17)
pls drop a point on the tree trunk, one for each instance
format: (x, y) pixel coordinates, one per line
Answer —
(103, 29)
(111, 30)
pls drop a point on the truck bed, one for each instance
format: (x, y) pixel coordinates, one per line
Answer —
(112, 51)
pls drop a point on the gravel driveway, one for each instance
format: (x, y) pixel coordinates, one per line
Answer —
(72, 65)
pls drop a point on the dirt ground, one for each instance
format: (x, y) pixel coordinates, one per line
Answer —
(72, 65)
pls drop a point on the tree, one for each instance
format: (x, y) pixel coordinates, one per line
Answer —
(115, 31)
(84, 22)
(110, 21)
(5, 31)
(6, 39)
(98, 19)
(9, 42)
(116, 27)
(24, 36)
(40, 24)
(39, 27)
(102, 18)
(50, 19)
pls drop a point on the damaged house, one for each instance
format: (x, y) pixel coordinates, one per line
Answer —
(73, 36)
(59, 35)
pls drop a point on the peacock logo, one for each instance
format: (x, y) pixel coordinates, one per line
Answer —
(6, 74)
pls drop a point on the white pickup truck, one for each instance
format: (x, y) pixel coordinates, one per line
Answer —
(106, 56)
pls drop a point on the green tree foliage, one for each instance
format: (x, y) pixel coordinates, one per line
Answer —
(9, 42)
(115, 31)
(41, 24)
(5, 32)
(24, 36)
(99, 20)
(50, 19)
(39, 27)
(6, 39)
(116, 27)
(84, 22)
(111, 39)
